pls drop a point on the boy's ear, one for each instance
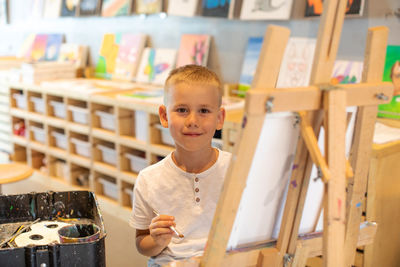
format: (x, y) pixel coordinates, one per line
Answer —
(162, 113)
(221, 118)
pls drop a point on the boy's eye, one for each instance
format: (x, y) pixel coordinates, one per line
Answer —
(181, 110)
(204, 110)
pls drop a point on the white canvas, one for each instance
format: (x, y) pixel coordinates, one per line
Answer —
(261, 202)
(155, 65)
(186, 8)
(266, 9)
(52, 8)
(297, 63)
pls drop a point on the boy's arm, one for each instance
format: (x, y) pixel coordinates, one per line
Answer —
(152, 241)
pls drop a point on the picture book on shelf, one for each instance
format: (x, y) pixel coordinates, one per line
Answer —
(193, 49)
(89, 7)
(107, 56)
(112, 8)
(52, 9)
(345, 72)
(314, 7)
(216, 8)
(155, 65)
(3, 12)
(392, 73)
(68, 8)
(266, 10)
(53, 45)
(75, 53)
(249, 65)
(186, 8)
(297, 63)
(130, 50)
(26, 48)
(148, 6)
(39, 47)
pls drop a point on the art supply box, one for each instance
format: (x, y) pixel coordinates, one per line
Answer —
(71, 206)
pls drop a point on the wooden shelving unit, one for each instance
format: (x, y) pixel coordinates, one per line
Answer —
(96, 141)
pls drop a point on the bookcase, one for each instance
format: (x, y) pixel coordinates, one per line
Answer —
(97, 141)
(5, 123)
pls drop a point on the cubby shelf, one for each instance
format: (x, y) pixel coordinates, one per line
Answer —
(92, 125)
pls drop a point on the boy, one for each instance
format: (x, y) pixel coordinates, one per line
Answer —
(184, 187)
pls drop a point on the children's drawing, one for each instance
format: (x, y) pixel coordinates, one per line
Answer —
(68, 8)
(107, 55)
(265, 9)
(88, 7)
(112, 8)
(186, 8)
(347, 72)
(314, 7)
(148, 6)
(128, 59)
(74, 53)
(250, 63)
(156, 65)
(297, 61)
(53, 45)
(216, 8)
(193, 49)
(392, 73)
(39, 47)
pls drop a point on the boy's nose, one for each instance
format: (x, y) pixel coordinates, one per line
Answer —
(191, 120)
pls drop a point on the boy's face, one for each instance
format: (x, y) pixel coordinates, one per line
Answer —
(192, 115)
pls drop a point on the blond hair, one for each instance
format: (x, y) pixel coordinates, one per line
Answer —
(193, 74)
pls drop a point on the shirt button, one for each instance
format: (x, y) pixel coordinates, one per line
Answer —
(196, 179)
(197, 190)
(197, 199)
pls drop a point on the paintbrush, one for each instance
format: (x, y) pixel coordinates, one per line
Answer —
(171, 227)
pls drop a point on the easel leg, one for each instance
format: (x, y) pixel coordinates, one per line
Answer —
(335, 188)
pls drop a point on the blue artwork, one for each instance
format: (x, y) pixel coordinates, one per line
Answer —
(216, 8)
(250, 62)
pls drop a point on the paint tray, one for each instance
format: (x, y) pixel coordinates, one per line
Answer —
(75, 207)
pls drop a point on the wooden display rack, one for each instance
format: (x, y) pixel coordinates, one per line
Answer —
(342, 212)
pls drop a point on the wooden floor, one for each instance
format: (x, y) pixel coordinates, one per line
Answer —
(120, 244)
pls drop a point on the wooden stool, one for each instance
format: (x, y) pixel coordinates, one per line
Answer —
(14, 172)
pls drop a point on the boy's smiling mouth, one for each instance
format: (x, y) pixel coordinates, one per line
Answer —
(192, 134)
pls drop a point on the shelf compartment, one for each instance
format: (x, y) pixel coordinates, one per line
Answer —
(59, 169)
(18, 99)
(164, 137)
(134, 123)
(103, 117)
(127, 194)
(80, 145)
(38, 160)
(78, 111)
(18, 126)
(132, 160)
(106, 186)
(80, 176)
(20, 153)
(37, 132)
(36, 103)
(105, 152)
(58, 138)
(56, 107)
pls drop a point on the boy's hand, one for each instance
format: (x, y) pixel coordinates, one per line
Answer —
(160, 231)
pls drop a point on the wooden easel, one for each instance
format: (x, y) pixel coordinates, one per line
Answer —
(342, 218)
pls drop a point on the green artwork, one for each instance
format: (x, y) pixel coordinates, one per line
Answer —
(392, 73)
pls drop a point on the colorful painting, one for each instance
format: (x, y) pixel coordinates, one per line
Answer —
(75, 53)
(107, 56)
(68, 8)
(112, 8)
(186, 8)
(216, 8)
(392, 73)
(148, 6)
(89, 7)
(38, 52)
(297, 63)
(266, 9)
(128, 59)
(193, 49)
(156, 65)
(3, 12)
(250, 61)
(314, 7)
(52, 9)
(53, 45)
(345, 72)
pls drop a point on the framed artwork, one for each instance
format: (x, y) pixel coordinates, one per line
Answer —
(193, 49)
(216, 8)
(148, 6)
(314, 7)
(266, 9)
(185, 8)
(249, 65)
(113, 8)
(89, 7)
(68, 8)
